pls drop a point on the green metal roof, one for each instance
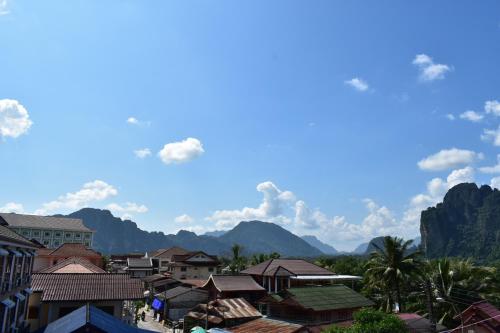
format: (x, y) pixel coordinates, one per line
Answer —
(328, 298)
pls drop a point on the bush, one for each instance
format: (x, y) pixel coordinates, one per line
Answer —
(372, 321)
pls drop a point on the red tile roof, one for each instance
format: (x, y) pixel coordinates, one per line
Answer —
(233, 283)
(294, 266)
(74, 265)
(86, 287)
(168, 253)
(266, 325)
(481, 309)
(71, 250)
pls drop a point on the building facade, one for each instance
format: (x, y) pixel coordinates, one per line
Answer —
(194, 265)
(49, 231)
(16, 263)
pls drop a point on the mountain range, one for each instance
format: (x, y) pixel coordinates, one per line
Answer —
(114, 235)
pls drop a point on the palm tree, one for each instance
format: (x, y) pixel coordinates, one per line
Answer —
(238, 262)
(390, 266)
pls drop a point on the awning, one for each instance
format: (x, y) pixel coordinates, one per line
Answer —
(326, 277)
(28, 291)
(4, 252)
(16, 253)
(157, 304)
(8, 303)
(20, 296)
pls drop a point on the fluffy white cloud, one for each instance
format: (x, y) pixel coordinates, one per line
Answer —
(495, 182)
(492, 107)
(12, 207)
(465, 175)
(430, 71)
(358, 84)
(142, 153)
(182, 151)
(14, 119)
(492, 169)
(491, 135)
(184, 219)
(96, 190)
(448, 159)
(128, 208)
(132, 120)
(271, 209)
(471, 116)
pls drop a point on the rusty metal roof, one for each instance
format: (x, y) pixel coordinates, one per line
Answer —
(266, 325)
(227, 308)
(86, 287)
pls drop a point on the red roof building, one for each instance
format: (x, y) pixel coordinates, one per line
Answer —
(480, 317)
(46, 258)
(229, 286)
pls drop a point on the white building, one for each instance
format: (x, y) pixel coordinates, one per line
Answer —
(48, 230)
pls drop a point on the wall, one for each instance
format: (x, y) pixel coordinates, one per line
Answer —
(198, 272)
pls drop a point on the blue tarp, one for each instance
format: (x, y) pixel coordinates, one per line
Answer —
(157, 304)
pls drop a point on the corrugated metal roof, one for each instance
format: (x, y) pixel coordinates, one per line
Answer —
(139, 262)
(233, 283)
(294, 266)
(86, 287)
(90, 315)
(266, 325)
(44, 222)
(238, 308)
(327, 298)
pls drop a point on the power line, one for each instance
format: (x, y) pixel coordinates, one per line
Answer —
(477, 322)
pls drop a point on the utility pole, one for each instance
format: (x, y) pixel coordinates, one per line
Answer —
(430, 305)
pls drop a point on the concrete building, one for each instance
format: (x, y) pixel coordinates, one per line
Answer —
(16, 263)
(49, 231)
(46, 258)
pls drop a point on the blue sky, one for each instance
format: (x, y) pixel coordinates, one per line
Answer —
(313, 115)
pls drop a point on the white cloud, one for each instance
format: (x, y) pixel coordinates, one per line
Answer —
(491, 135)
(127, 208)
(14, 119)
(132, 120)
(182, 151)
(3, 7)
(184, 219)
(471, 116)
(448, 159)
(492, 107)
(492, 169)
(96, 190)
(465, 175)
(430, 71)
(142, 153)
(12, 207)
(495, 182)
(357, 83)
(271, 209)
(450, 116)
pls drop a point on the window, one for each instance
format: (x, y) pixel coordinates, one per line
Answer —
(46, 242)
(36, 233)
(58, 234)
(33, 312)
(26, 233)
(78, 235)
(68, 235)
(87, 236)
(46, 233)
(56, 243)
(183, 269)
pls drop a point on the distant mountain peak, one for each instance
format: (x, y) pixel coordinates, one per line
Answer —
(325, 248)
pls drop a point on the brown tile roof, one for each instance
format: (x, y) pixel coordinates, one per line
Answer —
(198, 283)
(74, 250)
(186, 258)
(74, 265)
(7, 235)
(43, 222)
(266, 325)
(86, 287)
(294, 266)
(168, 253)
(233, 283)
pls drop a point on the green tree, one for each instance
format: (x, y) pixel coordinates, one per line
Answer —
(389, 267)
(238, 261)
